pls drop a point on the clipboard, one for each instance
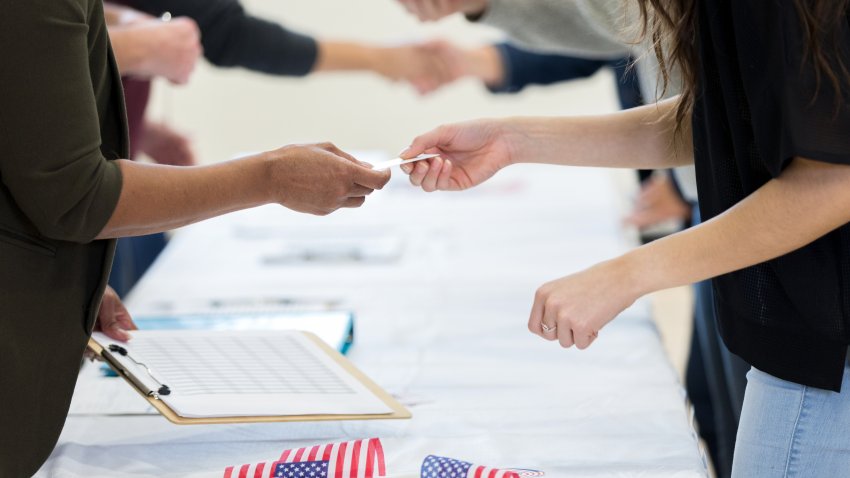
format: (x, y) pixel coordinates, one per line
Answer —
(398, 411)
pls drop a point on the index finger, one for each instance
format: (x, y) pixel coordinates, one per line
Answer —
(427, 142)
(535, 319)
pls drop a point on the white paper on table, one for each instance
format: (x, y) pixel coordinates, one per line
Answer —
(96, 394)
(244, 373)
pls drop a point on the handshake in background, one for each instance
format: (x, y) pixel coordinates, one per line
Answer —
(430, 65)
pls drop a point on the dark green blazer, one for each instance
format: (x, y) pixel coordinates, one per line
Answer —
(62, 122)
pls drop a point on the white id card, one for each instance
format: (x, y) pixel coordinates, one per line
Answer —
(398, 161)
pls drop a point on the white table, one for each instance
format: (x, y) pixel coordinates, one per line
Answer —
(443, 328)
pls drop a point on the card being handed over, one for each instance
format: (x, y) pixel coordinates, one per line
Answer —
(399, 161)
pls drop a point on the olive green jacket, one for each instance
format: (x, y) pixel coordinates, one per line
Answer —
(62, 121)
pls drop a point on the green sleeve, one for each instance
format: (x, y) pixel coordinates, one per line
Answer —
(54, 55)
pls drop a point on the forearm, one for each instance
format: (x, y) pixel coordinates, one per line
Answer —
(639, 138)
(809, 200)
(158, 198)
(339, 56)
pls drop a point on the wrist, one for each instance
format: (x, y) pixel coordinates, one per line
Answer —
(263, 178)
(641, 271)
(143, 51)
(630, 276)
(129, 50)
(379, 60)
(334, 56)
(485, 63)
(517, 137)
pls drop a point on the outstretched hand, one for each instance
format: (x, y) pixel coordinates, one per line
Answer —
(320, 178)
(425, 65)
(470, 153)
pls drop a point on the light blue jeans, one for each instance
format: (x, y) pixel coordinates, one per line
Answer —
(790, 430)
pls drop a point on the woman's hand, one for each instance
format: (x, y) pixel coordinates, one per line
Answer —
(470, 153)
(320, 178)
(574, 309)
(113, 318)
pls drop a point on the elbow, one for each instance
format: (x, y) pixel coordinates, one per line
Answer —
(64, 229)
(219, 56)
(73, 211)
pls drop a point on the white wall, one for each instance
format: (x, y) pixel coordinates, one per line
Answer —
(230, 111)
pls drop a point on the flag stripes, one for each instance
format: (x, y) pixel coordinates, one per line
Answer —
(352, 459)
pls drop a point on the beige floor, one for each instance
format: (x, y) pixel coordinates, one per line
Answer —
(673, 313)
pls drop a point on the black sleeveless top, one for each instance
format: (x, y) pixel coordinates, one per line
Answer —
(755, 111)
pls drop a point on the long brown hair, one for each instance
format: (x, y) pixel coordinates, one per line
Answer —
(671, 27)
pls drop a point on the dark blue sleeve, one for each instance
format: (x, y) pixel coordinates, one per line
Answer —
(628, 86)
(233, 38)
(523, 68)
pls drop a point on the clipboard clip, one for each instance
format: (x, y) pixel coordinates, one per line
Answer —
(163, 388)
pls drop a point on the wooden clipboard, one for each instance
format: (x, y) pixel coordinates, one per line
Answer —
(398, 410)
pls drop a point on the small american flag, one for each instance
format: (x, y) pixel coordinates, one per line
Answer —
(352, 459)
(442, 467)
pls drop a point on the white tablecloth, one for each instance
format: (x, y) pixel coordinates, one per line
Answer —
(443, 328)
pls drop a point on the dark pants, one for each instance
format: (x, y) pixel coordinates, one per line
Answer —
(133, 256)
(716, 379)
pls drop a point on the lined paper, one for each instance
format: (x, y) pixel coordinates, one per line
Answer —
(244, 373)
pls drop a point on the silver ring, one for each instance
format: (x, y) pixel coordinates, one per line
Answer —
(547, 329)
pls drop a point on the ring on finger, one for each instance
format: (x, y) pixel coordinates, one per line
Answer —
(547, 329)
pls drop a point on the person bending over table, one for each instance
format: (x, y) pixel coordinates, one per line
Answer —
(769, 136)
(65, 194)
